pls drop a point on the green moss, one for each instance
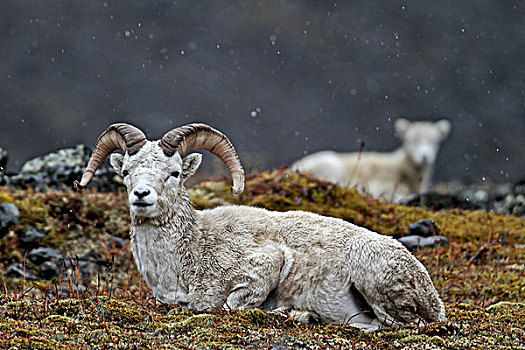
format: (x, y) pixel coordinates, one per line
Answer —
(198, 321)
(5, 196)
(258, 318)
(88, 322)
(119, 312)
(417, 338)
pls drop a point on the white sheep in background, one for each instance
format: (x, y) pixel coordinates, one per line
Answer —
(244, 257)
(391, 176)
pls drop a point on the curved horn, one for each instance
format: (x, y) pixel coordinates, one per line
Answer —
(196, 136)
(125, 137)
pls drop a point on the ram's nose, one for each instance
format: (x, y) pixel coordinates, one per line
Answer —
(141, 192)
(142, 196)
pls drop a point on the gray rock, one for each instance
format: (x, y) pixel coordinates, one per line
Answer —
(519, 188)
(3, 161)
(58, 171)
(40, 255)
(514, 205)
(425, 228)
(66, 290)
(49, 270)
(88, 268)
(70, 157)
(117, 242)
(4, 180)
(501, 190)
(31, 236)
(38, 181)
(9, 215)
(519, 206)
(480, 196)
(415, 242)
(17, 271)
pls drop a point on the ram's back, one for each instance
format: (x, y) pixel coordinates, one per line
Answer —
(314, 240)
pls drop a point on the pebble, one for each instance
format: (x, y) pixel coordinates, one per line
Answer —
(117, 242)
(424, 228)
(9, 215)
(519, 206)
(49, 270)
(88, 268)
(40, 255)
(31, 236)
(17, 271)
(3, 160)
(415, 242)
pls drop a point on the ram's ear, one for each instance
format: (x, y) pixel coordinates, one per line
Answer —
(116, 160)
(190, 164)
(444, 128)
(401, 126)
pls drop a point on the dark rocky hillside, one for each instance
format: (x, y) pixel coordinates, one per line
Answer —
(280, 78)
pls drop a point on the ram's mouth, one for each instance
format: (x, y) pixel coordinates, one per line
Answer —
(142, 204)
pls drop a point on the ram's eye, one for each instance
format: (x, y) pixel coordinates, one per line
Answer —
(125, 173)
(175, 174)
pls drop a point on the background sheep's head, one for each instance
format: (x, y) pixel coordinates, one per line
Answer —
(421, 140)
(154, 171)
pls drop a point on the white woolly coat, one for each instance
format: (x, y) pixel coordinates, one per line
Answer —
(244, 257)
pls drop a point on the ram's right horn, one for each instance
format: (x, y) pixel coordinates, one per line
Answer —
(120, 136)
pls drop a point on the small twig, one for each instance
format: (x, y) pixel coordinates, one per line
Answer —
(24, 276)
(5, 285)
(26, 291)
(354, 169)
(112, 276)
(420, 193)
(478, 253)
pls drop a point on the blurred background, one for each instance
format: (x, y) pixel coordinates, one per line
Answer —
(280, 78)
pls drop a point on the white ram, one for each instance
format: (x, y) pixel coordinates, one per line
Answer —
(390, 176)
(245, 257)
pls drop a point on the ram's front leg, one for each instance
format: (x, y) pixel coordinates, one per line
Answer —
(205, 298)
(261, 273)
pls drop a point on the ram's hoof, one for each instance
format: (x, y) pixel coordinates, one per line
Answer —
(300, 316)
(305, 317)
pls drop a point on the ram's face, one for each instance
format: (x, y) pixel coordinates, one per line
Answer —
(151, 178)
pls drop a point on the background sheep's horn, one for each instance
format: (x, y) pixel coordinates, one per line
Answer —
(124, 137)
(196, 136)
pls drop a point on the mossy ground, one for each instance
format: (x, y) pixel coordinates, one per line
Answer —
(481, 277)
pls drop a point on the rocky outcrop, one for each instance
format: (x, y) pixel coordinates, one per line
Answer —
(58, 171)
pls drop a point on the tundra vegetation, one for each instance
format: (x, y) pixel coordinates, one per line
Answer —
(480, 277)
